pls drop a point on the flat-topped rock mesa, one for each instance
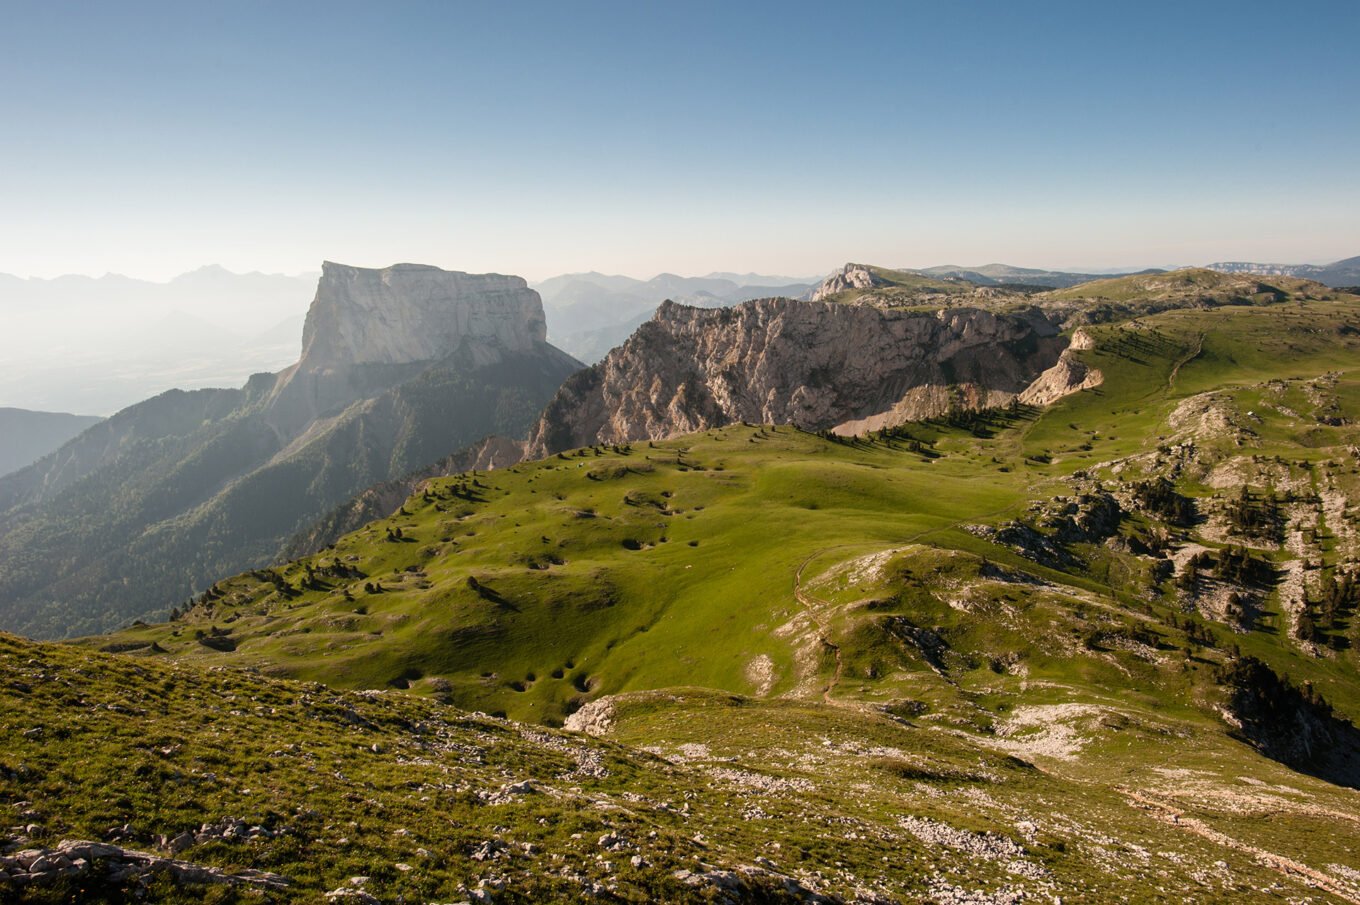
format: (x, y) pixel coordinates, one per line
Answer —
(846, 368)
(415, 312)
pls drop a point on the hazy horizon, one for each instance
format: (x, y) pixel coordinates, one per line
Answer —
(315, 272)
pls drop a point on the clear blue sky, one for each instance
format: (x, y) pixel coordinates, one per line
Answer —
(150, 138)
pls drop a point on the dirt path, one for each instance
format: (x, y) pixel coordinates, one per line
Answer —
(1176, 368)
(812, 606)
(1290, 868)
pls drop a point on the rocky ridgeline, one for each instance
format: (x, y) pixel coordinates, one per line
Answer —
(1338, 273)
(104, 866)
(817, 365)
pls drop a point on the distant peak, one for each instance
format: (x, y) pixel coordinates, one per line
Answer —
(851, 276)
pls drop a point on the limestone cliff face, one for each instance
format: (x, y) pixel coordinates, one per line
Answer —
(1068, 375)
(368, 330)
(812, 364)
(414, 312)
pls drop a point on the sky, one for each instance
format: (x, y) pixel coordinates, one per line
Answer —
(149, 139)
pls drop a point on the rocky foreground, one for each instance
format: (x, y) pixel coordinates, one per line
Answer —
(698, 797)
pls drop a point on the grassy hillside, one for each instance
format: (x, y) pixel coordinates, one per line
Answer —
(1194, 284)
(910, 279)
(701, 794)
(1106, 649)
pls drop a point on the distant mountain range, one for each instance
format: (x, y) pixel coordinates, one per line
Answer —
(1005, 274)
(122, 340)
(25, 437)
(1338, 273)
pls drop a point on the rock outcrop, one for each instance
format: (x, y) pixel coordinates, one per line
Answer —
(817, 365)
(594, 718)
(103, 869)
(851, 276)
(414, 312)
(1068, 375)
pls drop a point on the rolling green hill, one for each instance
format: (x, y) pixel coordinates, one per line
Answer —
(591, 562)
(1101, 650)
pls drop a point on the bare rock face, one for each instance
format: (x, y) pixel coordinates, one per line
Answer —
(595, 718)
(816, 365)
(414, 312)
(851, 276)
(1068, 375)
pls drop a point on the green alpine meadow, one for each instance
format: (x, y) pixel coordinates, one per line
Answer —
(608, 453)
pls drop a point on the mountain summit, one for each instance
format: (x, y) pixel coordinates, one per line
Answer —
(415, 312)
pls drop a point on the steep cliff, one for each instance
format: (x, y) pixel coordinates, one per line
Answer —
(1069, 374)
(846, 368)
(400, 367)
(413, 312)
